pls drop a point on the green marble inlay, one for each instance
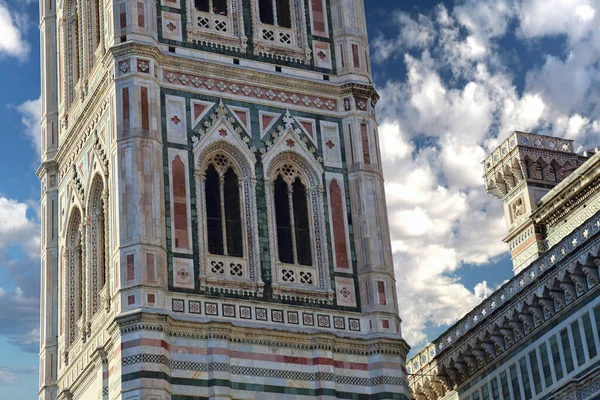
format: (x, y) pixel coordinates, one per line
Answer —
(209, 383)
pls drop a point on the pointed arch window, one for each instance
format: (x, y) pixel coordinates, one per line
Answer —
(292, 219)
(98, 242)
(74, 279)
(223, 208)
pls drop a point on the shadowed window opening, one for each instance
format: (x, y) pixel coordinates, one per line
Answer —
(275, 12)
(218, 7)
(293, 226)
(213, 212)
(223, 210)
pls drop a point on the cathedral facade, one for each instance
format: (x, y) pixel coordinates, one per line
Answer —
(537, 336)
(213, 213)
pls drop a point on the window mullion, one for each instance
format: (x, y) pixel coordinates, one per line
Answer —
(275, 13)
(241, 202)
(210, 6)
(223, 220)
(292, 223)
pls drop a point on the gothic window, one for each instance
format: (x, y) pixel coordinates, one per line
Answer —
(292, 219)
(97, 246)
(74, 278)
(180, 217)
(276, 12)
(223, 208)
(296, 217)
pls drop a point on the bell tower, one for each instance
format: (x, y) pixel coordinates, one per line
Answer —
(214, 208)
(520, 172)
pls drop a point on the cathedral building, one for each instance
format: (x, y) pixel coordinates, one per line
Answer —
(537, 336)
(214, 221)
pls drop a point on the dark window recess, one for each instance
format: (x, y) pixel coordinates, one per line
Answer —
(301, 223)
(214, 225)
(579, 353)
(535, 370)
(236, 61)
(276, 12)
(123, 39)
(233, 220)
(228, 210)
(515, 383)
(564, 339)
(277, 69)
(219, 7)
(546, 364)
(266, 12)
(284, 17)
(284, 222)
(525, 378)
(325, 77)
(556, 358)
(171, 49)
(589, 335)
(202, 5)
(495, 390)
(504, 382)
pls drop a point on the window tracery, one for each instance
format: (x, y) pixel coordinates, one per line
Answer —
(224, 233)
(98, 243)
(74, 256)
(294, 195)
(227, 219)
(291, 215)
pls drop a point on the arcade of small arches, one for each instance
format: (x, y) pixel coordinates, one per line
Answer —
(85, 289)
(81, 43)
(540, 169)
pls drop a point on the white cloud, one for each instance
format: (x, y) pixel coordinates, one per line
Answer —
(573, 18)
(12, 42)
(457, 102)
(415, 32)
(31, 114)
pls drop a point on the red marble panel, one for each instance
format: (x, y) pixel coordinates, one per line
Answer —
(180, 217)
(339, 226)
(381, 292)
(365, 143)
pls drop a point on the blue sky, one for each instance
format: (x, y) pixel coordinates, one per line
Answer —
(456, 78)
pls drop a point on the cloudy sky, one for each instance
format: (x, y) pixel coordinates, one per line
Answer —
(455, 78)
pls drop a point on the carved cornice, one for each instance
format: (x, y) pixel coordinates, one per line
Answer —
(570, 267)
(570, 193)
(192, 66)
(361, 90)
(260, 336)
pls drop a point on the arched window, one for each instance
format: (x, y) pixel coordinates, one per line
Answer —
(97, 27)
(223, 208)
(97, 245)
(291, 214)
(74, 301)
(218, 7)
(275, 12)
(180, 217)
